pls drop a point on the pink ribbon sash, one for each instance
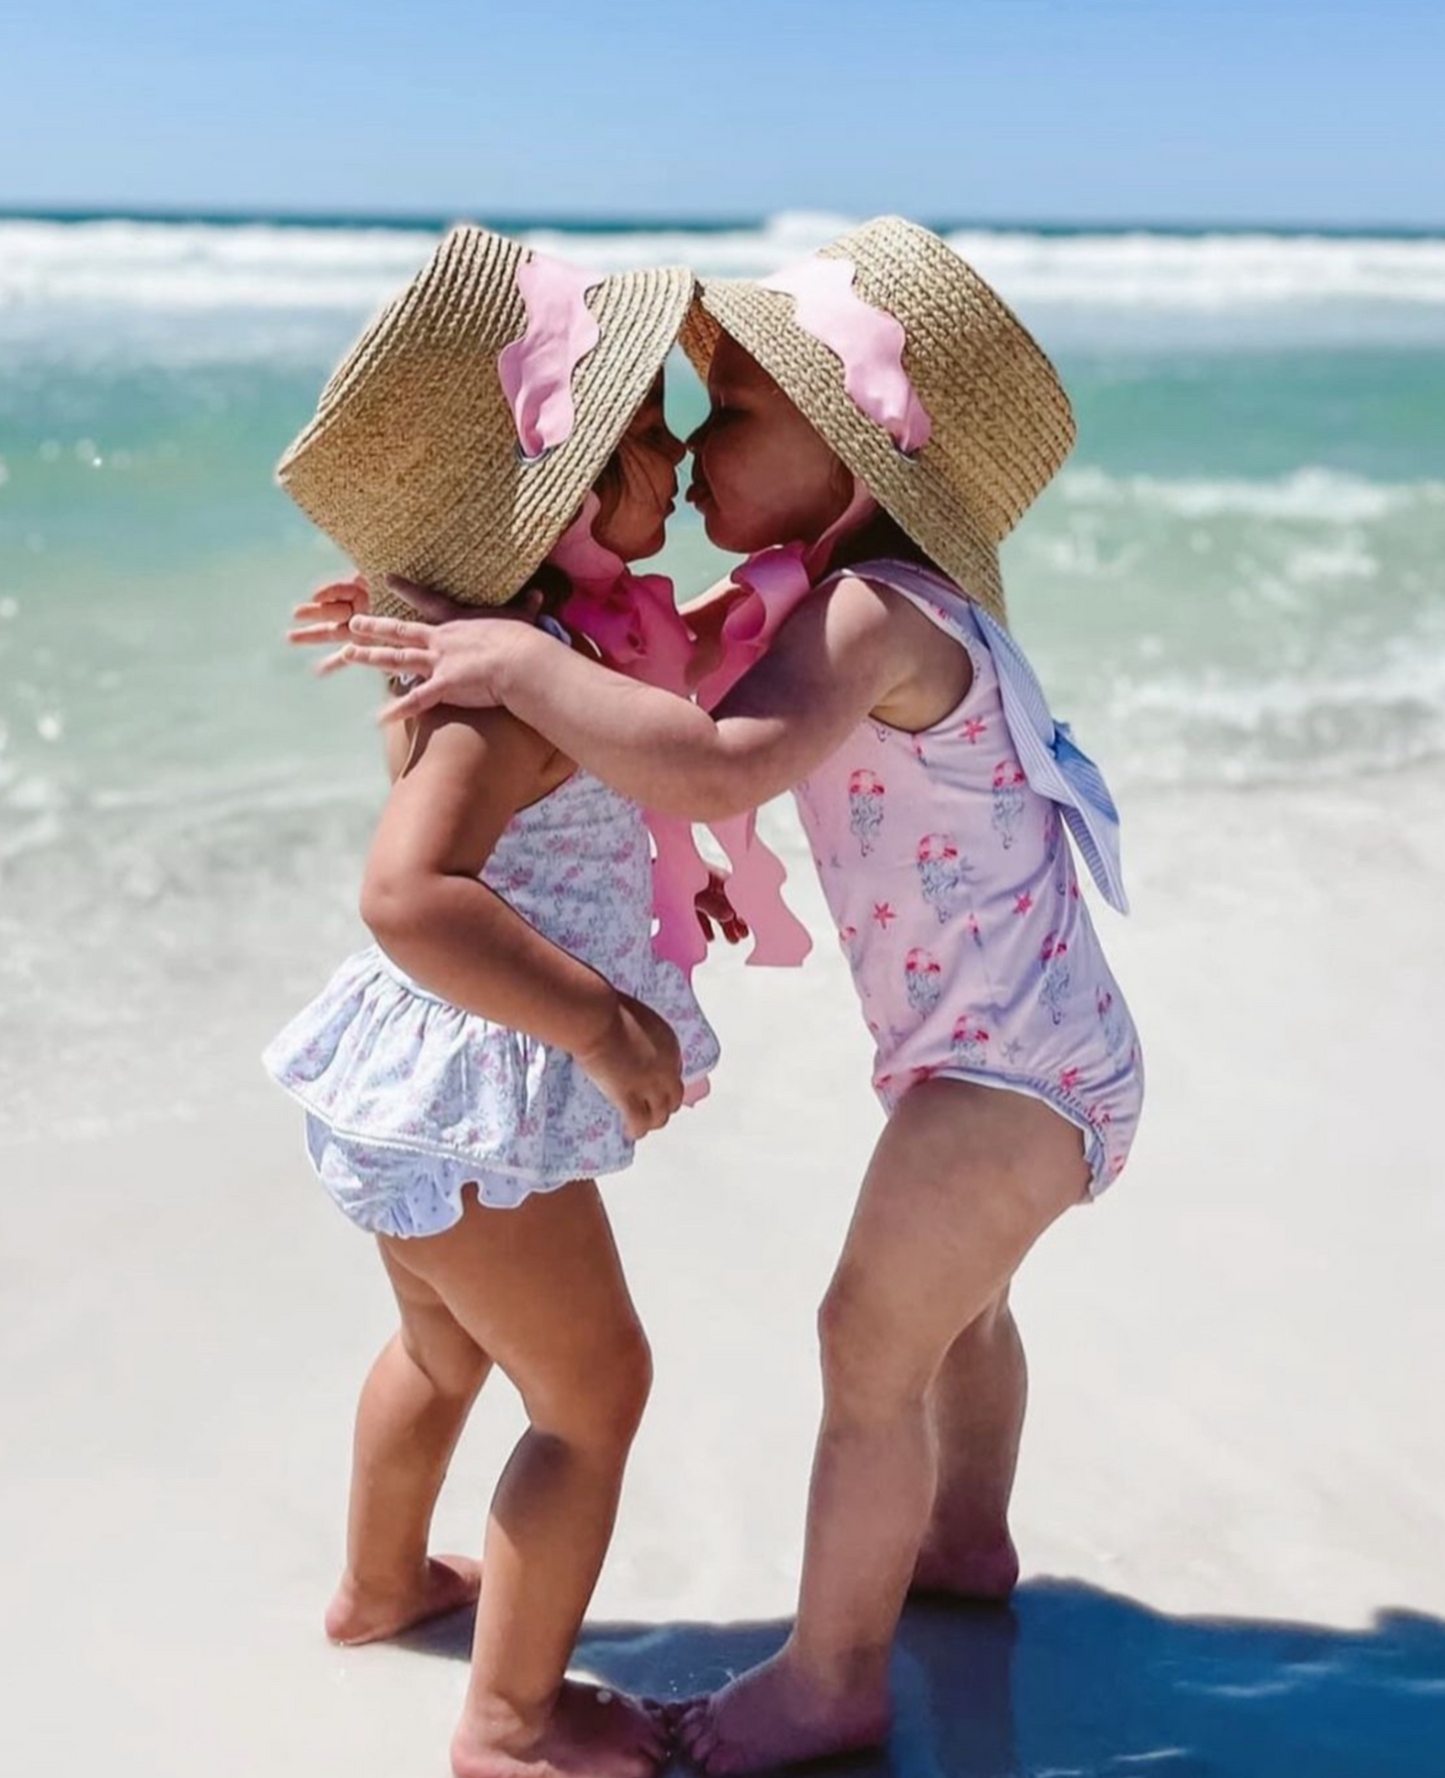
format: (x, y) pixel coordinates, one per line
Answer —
(635, 626)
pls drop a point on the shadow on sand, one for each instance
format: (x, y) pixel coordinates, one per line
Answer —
(1070, 1682)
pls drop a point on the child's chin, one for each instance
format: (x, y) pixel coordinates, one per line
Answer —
(722, 534)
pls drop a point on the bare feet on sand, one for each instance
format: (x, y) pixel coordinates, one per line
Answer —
(983, 1572)
(357, 1615)
(590, 1733)
(774, 1716)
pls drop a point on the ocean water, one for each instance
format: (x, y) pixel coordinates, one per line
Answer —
(1238, 582)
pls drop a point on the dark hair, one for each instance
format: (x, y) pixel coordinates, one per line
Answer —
(552, 583)
(550, 580)
(882, 538)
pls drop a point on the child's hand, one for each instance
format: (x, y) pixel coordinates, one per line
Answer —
(712, 904)
(450, 656)
(638, 1065)
(326, 614)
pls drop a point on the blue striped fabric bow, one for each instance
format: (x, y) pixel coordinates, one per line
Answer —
(1054, 763)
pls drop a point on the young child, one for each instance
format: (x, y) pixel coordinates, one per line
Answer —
(511, 1032)
(882, 391)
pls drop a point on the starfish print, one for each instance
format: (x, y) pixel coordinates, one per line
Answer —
(1069, 1079)
(1013, 1049)
(883, 912)
(1024, 903)
(973, 730)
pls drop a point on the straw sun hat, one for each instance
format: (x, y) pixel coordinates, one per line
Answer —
(1001, 422)
(412, 463)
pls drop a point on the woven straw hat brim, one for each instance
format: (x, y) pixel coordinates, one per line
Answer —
(411, 464)
(1002, 424)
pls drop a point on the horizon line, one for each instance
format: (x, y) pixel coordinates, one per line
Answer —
(227, 216)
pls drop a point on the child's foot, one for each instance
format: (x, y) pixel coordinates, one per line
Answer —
(447, 1583)
(985, 1572)
(774, 1716)
(591, 1733)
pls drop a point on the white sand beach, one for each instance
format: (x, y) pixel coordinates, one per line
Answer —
(1230, 1510)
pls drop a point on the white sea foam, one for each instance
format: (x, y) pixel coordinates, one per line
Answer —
(1309, 495)
(187, 266)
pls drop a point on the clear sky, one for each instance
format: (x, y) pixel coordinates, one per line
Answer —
(1304, 111)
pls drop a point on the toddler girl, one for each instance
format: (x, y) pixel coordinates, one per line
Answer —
(511, 1032)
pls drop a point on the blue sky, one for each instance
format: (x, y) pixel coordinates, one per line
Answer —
(1068, 110)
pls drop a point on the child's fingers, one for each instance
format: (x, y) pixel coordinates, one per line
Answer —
(350, 595)
(323, 632)
(400, 632)
(391, 660)
(335, 617)
(653, 1112)
(332, 664)
(414, 703)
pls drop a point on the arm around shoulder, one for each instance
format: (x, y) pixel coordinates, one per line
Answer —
(833, 660)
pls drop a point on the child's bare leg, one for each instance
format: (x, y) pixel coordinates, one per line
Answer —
(962, 1183)
(976, 1407)
(540, 1288)
(413, 1407)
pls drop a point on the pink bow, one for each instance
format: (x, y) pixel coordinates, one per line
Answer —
(869, 342)
(635, 626)
(777, 581)
(536, 370)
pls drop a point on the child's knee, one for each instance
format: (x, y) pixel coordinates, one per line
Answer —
(622, 1384)
(600, 1400)
(868, 1369)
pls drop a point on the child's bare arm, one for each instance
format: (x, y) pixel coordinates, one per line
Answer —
(836, 658)
(465, 777)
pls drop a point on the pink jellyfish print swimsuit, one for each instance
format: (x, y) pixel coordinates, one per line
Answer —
(946, 862)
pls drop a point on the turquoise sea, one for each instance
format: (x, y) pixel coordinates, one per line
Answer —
(1237, 583)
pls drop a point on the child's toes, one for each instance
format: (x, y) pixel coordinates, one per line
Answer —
(708, 1755)
(691, 1715)
(653, 1738)
(699, 1737)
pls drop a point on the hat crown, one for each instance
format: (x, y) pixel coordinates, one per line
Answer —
(411, 463)
(1003, 422)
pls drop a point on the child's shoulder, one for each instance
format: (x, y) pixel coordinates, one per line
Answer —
(491, 747)
(878, 598)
